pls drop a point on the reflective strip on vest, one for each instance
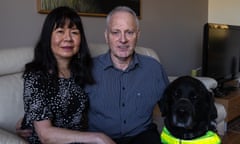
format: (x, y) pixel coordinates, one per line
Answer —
(209, 138)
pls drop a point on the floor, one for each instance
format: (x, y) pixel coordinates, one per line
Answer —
(231, 138)
(233, 135)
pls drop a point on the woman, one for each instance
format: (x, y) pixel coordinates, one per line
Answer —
(55, 103)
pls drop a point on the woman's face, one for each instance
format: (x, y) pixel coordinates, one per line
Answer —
(65, 42)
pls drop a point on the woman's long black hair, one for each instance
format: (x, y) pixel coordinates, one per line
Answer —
(44, 60)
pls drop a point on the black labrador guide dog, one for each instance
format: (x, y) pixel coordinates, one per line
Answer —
(189, 111)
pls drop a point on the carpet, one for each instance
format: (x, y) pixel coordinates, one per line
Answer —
(234, 125)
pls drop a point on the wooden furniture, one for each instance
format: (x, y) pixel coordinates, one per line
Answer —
(231, 103)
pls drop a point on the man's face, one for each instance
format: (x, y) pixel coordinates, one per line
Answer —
(121, 35)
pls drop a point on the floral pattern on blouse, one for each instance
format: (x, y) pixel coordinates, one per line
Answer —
(65, 107)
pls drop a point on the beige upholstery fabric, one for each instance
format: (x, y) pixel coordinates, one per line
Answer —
(11, 102)
(14, 59)
(12, 63)
(9, 138)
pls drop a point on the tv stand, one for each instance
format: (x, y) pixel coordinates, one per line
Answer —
(231, 102)
(224, 91)
(225, 88)
(219, 92)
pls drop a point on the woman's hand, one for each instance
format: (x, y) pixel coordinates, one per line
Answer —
(96, 138)
(104, 139)
(24, 133)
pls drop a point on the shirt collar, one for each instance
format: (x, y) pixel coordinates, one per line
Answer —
(109, 64)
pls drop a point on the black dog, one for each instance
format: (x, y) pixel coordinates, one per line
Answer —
(188, 108)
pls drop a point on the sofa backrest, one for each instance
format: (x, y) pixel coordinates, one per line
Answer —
(97, 49)
(12, 62)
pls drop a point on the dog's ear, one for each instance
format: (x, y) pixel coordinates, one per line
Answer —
(209, 101)
(164, 101)
(163, 106)
(212, 107)
(212, 115)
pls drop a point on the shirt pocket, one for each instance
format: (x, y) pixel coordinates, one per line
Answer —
(144, 104)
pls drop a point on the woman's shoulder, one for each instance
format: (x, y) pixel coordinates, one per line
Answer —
(33, 73)
(37, 75)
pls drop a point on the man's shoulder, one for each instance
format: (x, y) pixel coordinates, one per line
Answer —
(100, 58)
(101, 55)
(147, 59)
(101, 62)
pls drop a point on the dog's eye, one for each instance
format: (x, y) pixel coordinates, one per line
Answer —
(193, 96)
(177, 93)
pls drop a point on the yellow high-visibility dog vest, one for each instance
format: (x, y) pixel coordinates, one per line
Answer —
(209, 138)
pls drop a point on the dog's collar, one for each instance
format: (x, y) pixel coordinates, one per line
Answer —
(209, 138)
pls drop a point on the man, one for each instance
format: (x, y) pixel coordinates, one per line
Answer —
(128, 85)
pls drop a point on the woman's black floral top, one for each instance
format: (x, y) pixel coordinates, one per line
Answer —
(66, 106)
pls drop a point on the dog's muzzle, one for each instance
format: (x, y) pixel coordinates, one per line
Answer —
(183, 113)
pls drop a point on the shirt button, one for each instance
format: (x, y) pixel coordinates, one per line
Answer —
(123, 104)
(123, 88)
(124, 122)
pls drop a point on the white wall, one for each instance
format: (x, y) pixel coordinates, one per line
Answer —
(172, 28)
(224, 11)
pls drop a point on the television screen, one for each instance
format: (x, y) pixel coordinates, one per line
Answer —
(221, 52)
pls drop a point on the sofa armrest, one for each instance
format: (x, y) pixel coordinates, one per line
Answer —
(209, 83)
(10, 138)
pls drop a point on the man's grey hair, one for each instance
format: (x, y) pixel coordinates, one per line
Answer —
(122, 9)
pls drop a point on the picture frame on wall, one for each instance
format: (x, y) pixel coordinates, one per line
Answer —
(88, 7)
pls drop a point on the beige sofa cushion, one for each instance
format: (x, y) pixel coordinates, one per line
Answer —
(9, 138)
(11, 107)
(14, 59)
(97, 49)
(11, 84)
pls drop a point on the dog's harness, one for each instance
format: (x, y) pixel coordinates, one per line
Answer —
(209, 138)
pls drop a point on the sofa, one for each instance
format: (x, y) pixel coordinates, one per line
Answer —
(12, 61)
